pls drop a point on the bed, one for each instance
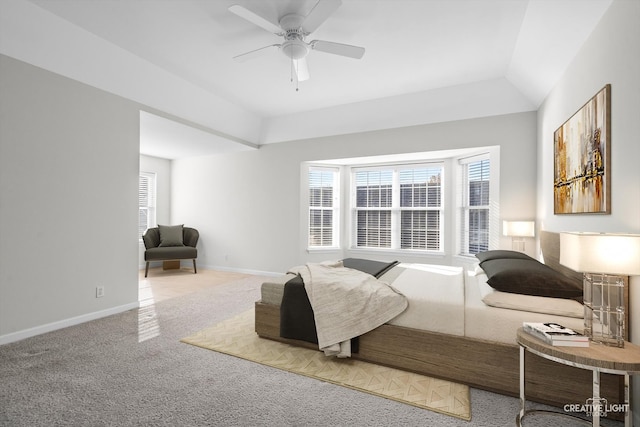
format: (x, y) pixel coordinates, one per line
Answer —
(459, 337)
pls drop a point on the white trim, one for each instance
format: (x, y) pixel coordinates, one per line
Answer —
(324, 249)
(227, 268)
(396, 252)
(49, 327)
(241, 270)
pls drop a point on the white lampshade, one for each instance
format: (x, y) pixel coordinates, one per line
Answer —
(604, 253)
(519, 228)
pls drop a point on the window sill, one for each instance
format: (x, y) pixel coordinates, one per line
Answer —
(397, 252)
(323, 250)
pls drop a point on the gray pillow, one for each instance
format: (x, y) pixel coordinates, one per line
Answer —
(501, 254)
(530, 277)
(171, 235)
(374, 268)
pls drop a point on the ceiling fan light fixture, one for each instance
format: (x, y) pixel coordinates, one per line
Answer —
(295, 49)
(295, 28)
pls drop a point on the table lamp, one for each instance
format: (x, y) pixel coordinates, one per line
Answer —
(603, 258)
(518, 230)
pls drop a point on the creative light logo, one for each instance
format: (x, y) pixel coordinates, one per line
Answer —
(596, 406)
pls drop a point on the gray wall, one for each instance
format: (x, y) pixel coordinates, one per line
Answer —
(247, 205)
(68, 190)
(610, 55)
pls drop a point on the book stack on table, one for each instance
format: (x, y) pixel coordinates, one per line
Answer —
(555, 334)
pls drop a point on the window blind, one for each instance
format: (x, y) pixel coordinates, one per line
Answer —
(146, 202)
(475, 206)
(398, 207)
(323, 206)
(374, 194)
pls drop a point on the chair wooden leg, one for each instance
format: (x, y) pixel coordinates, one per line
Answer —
(194, 267)
(146, 269)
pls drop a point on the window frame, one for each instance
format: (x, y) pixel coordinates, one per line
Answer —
(150, 206)
(396, 210)
(451, 185)
(335, 208)
(465, 207)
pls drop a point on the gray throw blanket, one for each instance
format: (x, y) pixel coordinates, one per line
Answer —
(347, 303)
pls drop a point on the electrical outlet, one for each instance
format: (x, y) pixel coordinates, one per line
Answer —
(99, 291)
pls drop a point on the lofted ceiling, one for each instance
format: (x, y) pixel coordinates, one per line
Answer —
(426, 60)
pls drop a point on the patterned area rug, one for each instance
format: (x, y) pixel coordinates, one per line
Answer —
(236, 336)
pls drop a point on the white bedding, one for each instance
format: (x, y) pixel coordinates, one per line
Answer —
(435, 294)
(536, 304)
(500, 324)
(447, 300)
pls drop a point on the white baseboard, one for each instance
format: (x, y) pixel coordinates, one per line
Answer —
(241, 270)
(230, 269)
(32, 332)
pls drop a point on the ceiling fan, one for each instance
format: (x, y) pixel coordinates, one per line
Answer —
(294, 28)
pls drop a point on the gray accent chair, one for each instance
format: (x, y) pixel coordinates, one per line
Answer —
(155, 252)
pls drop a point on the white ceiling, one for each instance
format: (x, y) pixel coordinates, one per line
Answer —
(171, 139)
(426, 61)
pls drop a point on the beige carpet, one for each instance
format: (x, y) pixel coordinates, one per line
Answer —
(237, 337)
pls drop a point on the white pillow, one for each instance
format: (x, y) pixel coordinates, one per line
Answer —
(476, 270)
(531, 303)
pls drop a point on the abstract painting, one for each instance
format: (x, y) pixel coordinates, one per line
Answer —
(582, 148)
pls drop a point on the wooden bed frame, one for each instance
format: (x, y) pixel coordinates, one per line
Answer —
(478, 363)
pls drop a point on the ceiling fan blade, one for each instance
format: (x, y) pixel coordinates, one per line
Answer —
(302, 69)
(255, 19)
(253, 53)
(320, 12)
(338, 48)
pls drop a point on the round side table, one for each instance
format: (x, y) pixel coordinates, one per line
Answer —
(597, 357)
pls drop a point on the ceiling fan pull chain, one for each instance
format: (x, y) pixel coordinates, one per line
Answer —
(293, 72)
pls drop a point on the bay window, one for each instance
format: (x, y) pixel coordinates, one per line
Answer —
(425, 206)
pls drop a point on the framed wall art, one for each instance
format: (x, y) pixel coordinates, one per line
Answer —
(582, 159)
